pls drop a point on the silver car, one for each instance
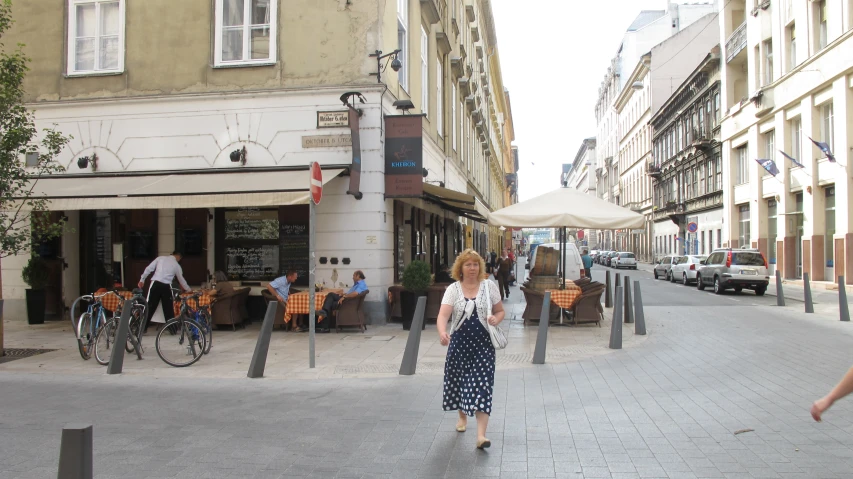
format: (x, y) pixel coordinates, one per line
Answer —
(686, 268)
(734, 268)
(664, 265)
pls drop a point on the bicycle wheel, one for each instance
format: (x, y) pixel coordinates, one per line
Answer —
(84, 326)
(182, 348)
(134, 330)
(207, 327)
(105, 340)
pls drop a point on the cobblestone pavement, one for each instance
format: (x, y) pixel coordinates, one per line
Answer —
(721, 389)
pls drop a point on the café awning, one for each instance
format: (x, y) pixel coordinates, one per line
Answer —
(462, 204)
(179, 189)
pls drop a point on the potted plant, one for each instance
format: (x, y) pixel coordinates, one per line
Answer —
(35, 274)
(416, 280)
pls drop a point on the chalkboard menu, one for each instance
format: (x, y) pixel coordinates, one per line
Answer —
(401, 252)
(251, 224)
(293, 249)
(251, 263)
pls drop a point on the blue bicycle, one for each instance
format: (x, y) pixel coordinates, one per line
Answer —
(90, 322)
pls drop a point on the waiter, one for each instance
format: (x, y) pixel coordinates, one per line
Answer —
(165, 269)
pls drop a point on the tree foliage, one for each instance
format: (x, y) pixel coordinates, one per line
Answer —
(21, 218)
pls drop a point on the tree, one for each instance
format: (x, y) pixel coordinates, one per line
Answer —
(22, 219)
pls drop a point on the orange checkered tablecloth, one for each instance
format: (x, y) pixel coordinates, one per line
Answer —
(112, 301)
(205, 299)
(297, 303)
(565, 298)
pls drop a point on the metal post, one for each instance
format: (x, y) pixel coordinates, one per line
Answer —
(639, 315)
(780, 294)
(843, 308)
(629, 305)
(542, 335)
(262, 347)
(117, 355)
(410, 356)
(618, 280)
(608, 296)
(807, 290)
(75, 450)
(616, 323)
(312, 329)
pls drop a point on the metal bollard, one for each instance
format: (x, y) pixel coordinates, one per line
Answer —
(608, 296)
(780, 294)
(262, 347)
(616, 323)
(807, 291)
(410, 356)
(117, 356)
(542, 334)
(629, 305)
(843, 308)
(75, 451)
(618, 280)
(639, 315)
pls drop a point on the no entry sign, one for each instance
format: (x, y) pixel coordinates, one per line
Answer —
(316, 183)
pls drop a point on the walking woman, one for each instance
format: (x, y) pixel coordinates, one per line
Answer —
(469, 373)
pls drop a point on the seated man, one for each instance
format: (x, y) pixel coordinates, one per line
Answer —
(281, 288)
(333, 301)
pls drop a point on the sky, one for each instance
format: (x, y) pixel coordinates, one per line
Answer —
(554, 54)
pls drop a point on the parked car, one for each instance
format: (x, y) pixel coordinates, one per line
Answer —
(734, 268)
(664, 265)
(686, 268)
(572, 263)
(624, 259)
(593, 254)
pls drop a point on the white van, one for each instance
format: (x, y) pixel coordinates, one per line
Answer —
(572, 262)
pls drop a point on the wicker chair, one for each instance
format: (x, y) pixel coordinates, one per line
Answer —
(229, 306)
(587, 308)
(435, 294)
(582, 281)
(351, 313)
(279, 309)
(533, 309)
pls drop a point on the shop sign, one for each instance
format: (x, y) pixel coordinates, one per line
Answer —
(404, 156)
(333, 119)
(326, 141)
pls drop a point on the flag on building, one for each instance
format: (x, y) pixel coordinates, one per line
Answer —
(825, 149)
(769, 165)
(794, 161)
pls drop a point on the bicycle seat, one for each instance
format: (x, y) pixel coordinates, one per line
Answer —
(137, 291)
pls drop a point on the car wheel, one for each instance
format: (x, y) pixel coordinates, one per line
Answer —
(699, 284)
(656, 273)
(684, 279)
(671, 277)
(738, 290)
(718, 288)
(759, 291)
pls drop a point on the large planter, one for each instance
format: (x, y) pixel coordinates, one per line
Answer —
(35, 306)
(408, 303)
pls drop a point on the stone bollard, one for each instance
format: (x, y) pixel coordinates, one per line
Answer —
(117, 355)
(616, 323)
(542, 334)
(262, 347)
(618, 280)
(780, 294)
(75, 450)
(629, 305)
(807, 291)
(410, 356)
(639, 315)
(843, 307)
(608, 296)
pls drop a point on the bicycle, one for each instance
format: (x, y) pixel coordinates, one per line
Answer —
(202, 316)
(89, 323)
(106, 336)
(186, 341)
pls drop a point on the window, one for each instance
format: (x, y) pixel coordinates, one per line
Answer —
(827, 124)
(95, 37)
(439, 100)
(742, 168)
(792, 46)
(717, 107)
(796, 139)
(820, 16)
(453, 113)
(743, 223)
(768, 62)
(769, 147)
(772, 230)
(829, 252)
(245, 32)
(424, 72)
(719, 238)
(403, 42)
(718, 168)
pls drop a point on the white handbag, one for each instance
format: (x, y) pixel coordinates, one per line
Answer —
(496, 333)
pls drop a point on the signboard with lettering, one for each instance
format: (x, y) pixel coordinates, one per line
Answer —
(404, 156)
(332, 119)
(326, 141)
(293, 250)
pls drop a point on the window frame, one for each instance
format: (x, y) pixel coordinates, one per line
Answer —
(769, 148)
(424, 72)
(219, 7)
(403, 43)
(71, 38)
(439, 100)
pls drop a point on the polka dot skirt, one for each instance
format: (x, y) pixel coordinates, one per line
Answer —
(469, 373)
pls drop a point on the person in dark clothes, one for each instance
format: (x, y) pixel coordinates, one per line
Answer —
(503, 268)
(165, 269)
(333, 301)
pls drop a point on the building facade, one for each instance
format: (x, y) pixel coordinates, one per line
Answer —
(197, 129)
(580, 175)
(786, 80)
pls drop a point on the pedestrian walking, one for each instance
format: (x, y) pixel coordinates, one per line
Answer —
(843, 388)
(469, 371)
(502, 270)
(587, 263)
(165, 269)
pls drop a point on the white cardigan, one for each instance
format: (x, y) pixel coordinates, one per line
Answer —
(453, 296)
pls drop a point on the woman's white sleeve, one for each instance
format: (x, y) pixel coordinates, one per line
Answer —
(494, 293)
(449, 295)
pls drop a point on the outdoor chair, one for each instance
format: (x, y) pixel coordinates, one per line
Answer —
(591, 285)
(587, 308)
(582, 281)
(435, 294)
(279, 309)
(351, 313)
(227, 310)
(533, 309)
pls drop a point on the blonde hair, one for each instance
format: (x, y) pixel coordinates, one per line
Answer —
(465, 256)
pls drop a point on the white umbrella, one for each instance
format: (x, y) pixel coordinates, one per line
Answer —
(566, 208)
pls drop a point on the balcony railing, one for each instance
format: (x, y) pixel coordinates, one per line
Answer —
(653, 170)
(736, 42)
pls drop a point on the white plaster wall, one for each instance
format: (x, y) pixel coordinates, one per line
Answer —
(663, 230)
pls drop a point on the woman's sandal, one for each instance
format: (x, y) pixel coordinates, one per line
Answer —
(460, 427)
(483, 443)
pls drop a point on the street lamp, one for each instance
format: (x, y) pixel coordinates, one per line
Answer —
(396, 64)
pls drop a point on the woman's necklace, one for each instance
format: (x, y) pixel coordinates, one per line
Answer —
(470, 290)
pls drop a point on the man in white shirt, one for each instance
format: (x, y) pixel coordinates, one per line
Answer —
(165, 269)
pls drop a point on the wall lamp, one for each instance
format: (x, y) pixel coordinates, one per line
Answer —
(404, 105)
(396, 64)
(83, 162)
(238, 156)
